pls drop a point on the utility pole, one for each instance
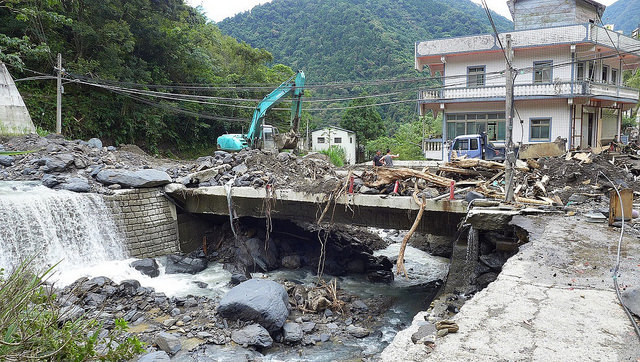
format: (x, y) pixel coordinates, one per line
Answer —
(59, 96)
(508, 101)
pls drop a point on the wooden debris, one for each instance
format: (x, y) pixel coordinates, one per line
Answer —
(400, 262)
(385, 176)
(521, 166)
(459, 171)
(533, 164)
(525, 200)
(539, 188)
(582, 157)
(474, 162)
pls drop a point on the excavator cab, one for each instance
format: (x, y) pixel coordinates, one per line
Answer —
(269, 136)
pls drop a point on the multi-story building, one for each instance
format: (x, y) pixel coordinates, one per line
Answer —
(569, 76)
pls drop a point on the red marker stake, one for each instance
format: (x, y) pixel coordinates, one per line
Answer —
(451, 190)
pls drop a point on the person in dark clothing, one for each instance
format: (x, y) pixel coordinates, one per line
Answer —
(377, 159)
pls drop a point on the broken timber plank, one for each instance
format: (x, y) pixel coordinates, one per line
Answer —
(474, 162)
(539, 188)
(386, 176)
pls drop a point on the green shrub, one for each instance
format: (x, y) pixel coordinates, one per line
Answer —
(336, 155)
(30, 325)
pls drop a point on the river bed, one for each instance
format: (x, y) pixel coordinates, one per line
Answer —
(78, 231)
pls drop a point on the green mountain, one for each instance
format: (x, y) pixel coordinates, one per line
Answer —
(341, 40)
(357, 40)
(624, 14)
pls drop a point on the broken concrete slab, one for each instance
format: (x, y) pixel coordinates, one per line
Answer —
(545, 149)
(490, 218)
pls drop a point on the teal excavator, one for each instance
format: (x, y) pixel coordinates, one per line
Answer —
(265, 136)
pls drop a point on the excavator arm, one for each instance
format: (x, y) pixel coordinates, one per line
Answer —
(293, 86)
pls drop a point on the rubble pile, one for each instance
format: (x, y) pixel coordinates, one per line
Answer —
(87, 166)
(187, 327)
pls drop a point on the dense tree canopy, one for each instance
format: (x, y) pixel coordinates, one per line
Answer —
(139, 43)
(366, 122)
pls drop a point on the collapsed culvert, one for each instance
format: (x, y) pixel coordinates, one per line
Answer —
(356, 266)
(486, 239)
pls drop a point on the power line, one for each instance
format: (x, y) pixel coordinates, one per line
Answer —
(495, 31)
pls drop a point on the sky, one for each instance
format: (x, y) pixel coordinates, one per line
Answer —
(218, 10)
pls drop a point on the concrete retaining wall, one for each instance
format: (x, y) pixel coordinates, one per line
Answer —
(147, 220)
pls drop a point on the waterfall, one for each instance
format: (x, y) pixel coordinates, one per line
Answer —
(472, 257)
(55, 226)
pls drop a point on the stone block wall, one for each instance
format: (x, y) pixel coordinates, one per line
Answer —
(147, 220)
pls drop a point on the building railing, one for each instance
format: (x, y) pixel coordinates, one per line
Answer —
(432, 148)
(582, 88)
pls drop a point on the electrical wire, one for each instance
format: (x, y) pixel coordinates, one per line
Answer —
(617, 266)
(495, 32)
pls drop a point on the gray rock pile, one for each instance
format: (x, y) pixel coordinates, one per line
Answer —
(90, 167)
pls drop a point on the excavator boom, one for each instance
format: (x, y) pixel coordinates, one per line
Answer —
(293, 86)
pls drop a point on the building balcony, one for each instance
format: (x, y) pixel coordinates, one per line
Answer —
(532, 91)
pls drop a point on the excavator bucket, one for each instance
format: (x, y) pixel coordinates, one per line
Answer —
(288, 140)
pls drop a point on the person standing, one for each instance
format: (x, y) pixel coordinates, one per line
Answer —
(377, 159)
(388, 158)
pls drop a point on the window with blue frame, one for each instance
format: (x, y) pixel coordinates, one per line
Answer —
(475, 123)
(540, 129)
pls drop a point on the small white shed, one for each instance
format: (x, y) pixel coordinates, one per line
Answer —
(326, 137)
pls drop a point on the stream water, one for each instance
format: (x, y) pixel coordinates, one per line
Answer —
(78, 230)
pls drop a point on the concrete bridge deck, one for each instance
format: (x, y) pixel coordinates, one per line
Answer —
(384, 211)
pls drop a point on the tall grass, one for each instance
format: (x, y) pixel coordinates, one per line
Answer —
(336, 155)
(31, 327)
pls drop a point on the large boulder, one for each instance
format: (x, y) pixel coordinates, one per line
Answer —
(263, 301)
(6, 160)
(94, 143)
(76, 184)
(168, 342)
(147, 266)
(58, 163)
(157, 356)
(139, 178)
(631, 299)
(252, 335)
(184, 264)
(260, 257)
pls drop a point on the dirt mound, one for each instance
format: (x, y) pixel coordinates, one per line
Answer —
(567, 177)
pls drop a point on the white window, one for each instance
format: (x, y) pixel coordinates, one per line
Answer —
(542, 71)
(320, 139)
(605, 73)
(350, 139)
(337, 140)
(614, 76)
(475, 76)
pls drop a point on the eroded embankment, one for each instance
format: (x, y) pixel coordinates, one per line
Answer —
(554, 298)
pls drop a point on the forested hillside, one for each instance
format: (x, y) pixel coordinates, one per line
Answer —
(140, 43)
(356, 40)
(338, 40)
(624, 14)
